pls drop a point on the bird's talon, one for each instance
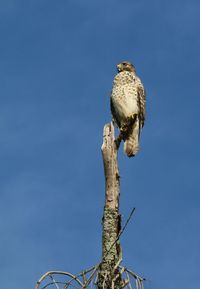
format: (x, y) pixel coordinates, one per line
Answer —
(123, 129)
(132, 117)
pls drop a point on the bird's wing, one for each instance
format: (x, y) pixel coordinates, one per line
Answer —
(116, 120)
(141, 99)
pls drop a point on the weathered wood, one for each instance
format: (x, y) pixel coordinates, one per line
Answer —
(111, 171)
(109, 276)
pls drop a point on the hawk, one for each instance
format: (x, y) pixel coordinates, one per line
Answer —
(128, 106)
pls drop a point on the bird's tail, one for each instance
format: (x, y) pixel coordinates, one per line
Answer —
(131, 144)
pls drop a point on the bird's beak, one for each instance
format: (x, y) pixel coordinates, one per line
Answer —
(119, 67)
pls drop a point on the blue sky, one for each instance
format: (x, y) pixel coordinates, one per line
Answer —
(57, 65)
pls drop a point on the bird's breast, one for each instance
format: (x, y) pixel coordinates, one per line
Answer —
(124, 98)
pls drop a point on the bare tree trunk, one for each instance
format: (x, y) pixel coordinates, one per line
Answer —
(109, 276)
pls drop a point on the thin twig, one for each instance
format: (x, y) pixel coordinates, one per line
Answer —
(104, 281)
(54, 281)
(117, 264)
(121, 231)
(88, 270)
(122, 270)
(86, 282)
(134, 275)
(96, 279)
(51, 283)
(91, 277)
(69, 283)
(84, 278)
(129, 281)
(59, 273)
(136, 282)
(126, 282)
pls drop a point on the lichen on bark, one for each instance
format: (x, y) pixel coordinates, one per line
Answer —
(109, 276)
(111, 251)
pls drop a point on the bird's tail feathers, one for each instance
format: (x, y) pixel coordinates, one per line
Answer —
(131, 144)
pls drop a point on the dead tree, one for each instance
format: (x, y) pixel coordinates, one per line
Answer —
(108, 274)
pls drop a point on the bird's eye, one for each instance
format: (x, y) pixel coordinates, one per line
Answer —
(124, 63)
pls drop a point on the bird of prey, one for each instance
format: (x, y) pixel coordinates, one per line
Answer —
(128, 106)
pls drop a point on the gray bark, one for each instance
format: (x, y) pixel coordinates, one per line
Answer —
(109, 276)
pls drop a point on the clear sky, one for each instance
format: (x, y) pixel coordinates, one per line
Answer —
(57, 63)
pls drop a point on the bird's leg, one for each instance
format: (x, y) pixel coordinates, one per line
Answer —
(122, 134)
(119, 139)
(131, 119)
(125, 129)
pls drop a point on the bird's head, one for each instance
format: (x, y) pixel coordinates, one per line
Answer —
(125, 66)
